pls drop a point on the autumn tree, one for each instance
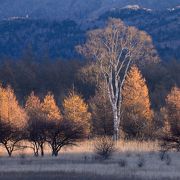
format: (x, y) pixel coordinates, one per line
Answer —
(137, 115)
(36, 125)
(101, 110)
(50, 108)
(12, 120)
(76, 110)
(113, 49)
(63, 133)
(171, 138)
(56, 127)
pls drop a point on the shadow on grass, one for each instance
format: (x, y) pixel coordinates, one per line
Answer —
(58, 176)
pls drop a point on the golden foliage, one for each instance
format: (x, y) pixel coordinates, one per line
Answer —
(10, 110)
(173, 99)
(75, 109)
(137, 115)
(33, 106)
(50, 109)
(135, 93)
(173, 109)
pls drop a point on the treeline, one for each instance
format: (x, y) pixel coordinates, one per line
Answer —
(41, 121)
(27, 74)
(122, 89)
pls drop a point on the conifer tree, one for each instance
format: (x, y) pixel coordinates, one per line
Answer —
(173, 109)
(171, 113)
(33, 105)
(36, 126)
(76, 110)
(137, 114)
(50, 109)
(12, 120)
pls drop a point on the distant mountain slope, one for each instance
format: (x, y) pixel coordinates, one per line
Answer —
(163, 26)
(55, 39)
(72, 9)
(58, 39)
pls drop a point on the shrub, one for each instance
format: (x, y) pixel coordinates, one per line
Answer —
(104, 147)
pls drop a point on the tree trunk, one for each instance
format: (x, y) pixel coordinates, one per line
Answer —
(42, 149)
(54, 152)
(116, 126)
(36, 149)
(9, 153)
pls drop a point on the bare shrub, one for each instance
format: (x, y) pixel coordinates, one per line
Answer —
(104, 147)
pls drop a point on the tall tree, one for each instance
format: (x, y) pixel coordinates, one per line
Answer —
(113, 49)
(137, 115)
(76, 110)
(101, 110)
(12, 120)
(36, 125)
(171, 138)
(173, 110)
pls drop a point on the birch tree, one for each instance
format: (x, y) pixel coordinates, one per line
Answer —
(113, 49)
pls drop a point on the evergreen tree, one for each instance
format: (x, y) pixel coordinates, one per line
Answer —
(137, 114)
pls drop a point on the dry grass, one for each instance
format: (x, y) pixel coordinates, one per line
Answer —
(88, 147)
(79, 161)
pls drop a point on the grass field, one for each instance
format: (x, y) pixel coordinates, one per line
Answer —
(133, 160)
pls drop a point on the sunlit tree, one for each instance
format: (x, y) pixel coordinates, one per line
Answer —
(112, 50)
(50, 108)
(76, 110)
(36, 124)
(137, 115)
(171, 138)
(12, 120)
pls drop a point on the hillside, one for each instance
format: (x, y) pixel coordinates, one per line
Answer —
(72, 9)
(59, 38)
(163, 26)
(55, 39)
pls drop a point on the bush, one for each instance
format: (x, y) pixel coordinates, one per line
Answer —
(104, 147)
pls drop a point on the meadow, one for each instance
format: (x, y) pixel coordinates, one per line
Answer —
(132, 160)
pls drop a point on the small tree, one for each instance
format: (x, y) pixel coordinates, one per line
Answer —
(63, 133)
(76, 110)
(137, 115)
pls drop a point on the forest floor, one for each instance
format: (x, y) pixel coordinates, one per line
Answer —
(132, 161)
